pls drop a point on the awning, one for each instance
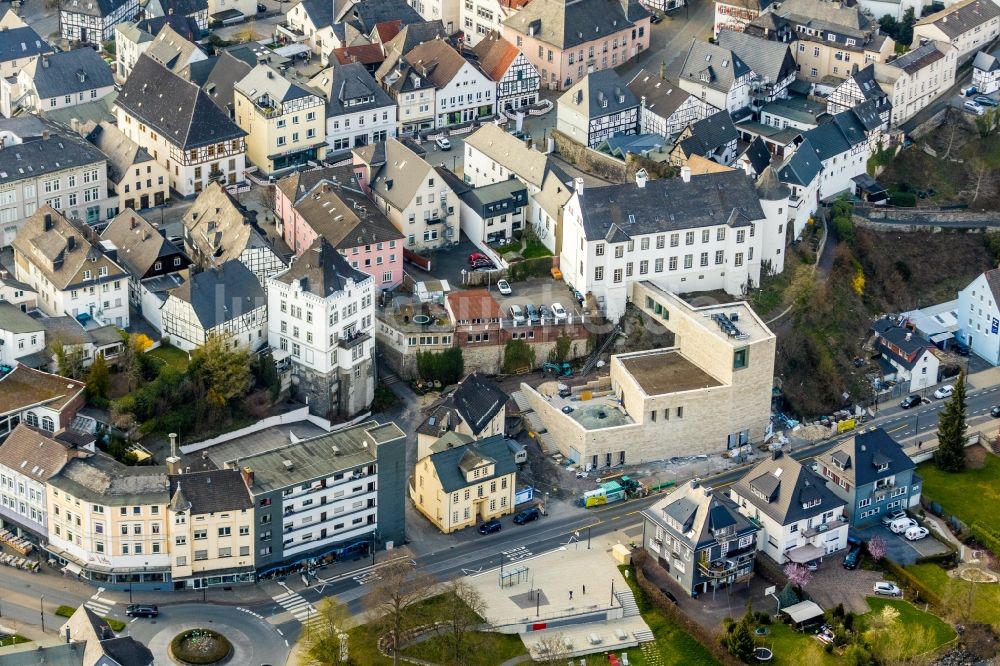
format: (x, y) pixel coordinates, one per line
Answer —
(73, 568)
(942, 337)
(806, 553)
(292, 50)
(803, 611)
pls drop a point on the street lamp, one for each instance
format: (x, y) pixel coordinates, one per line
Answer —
(203, 591)
(41, 612)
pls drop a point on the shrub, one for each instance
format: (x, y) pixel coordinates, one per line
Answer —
(446, 366)
(200, 646)
(517, 356)
(904, 199)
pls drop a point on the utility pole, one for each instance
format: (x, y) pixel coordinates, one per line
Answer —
(41, 612)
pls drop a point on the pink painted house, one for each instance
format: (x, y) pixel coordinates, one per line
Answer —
(329, 203)
(564, 39)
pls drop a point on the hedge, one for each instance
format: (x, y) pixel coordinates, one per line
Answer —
(654, 595)
(987, 537)
(912, 581)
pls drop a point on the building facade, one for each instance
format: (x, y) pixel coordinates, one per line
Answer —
(94, 22)
(968, 25)
(516, 78)
(358, 111)
(597, 107)
(979, 316)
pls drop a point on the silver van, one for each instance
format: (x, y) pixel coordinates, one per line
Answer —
(974, 107)
(517, 314)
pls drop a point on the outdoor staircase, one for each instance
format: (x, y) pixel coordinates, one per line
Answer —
(995, 445)
(644, 636)
(627, 600)
(603, 347)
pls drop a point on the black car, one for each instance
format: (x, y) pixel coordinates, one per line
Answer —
(669, 595)
(910, 401)
(853, 557)
(490, 526)
(995, 412)
(655, 18)
(961, 349)
(261, 8)
(527, 516)
(142, 610)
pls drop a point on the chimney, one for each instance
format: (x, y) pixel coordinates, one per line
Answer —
(45, 62)
(909, 336)
(578, 185)
(71, 243)
(640, 178)
(695, 482)
(174, 461)
(247, 475)
(776, 454)
(45, 134)
(686, 174)
(663, 70)
(48, 221)
(270, 74)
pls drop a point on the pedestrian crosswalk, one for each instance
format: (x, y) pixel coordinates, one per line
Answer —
(100, 606)
(301, 610)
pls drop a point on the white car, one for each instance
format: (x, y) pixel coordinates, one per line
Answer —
(944, 392)
(901, 526)
(887, 589)
(504, 287)
(890, 518)
(559, 312)
(443, 143)
(916, 533)
(517, 314)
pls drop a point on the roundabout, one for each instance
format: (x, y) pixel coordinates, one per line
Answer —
(199, 647)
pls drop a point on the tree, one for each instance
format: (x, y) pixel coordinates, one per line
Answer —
(458, 616)
(877, 548)
(981, 173)
(98, 381)
(892, 641)
(517, 356)
(447, 366)
(739, 641)
(221, 369)
(326, 640)
(950, 455)
(69, 360)
(130, 361)
(266, 373)
(391, 599)
(550, 649)
(798, 574)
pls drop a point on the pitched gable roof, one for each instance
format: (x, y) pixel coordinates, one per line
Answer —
(860, 457)
(767, 58)
(699, 512)
(401, 175)
(69, 72)
(212, 491)
(23, 387)
(495, 54)
(787, 491)
(123, 153)
(35, 453)
(346, 87)
(222, 293)
(138, 243)
(449, 463)
(567, 23)
(662, 96)
(478, 400)
(712, 65)
(986, 62)
(320, 270)
(217, 227)
(601, 93)
(961, 17)
(802, 167)
(20, 43)
(177, 109)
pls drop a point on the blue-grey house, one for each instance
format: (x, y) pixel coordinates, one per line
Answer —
(873, 474)
(700, 538)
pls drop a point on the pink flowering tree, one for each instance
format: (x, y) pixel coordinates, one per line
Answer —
(798, 574)
(877, 548)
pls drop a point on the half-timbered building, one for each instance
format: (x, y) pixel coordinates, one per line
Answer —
(516, 78)
(94, 21)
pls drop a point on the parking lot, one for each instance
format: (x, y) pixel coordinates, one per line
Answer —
(898, 549)
(539, 291)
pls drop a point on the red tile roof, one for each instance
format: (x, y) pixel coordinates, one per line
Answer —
(388, 29)
(495, 55)
(366, 54)
(473, 304)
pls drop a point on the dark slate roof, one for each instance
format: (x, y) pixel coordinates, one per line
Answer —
(322, 269)
(993, 282)
(214, 491)
(70, 72)
(867, 114)
(601, 93)
(671, 205)
(180, 7)
(320, 12)
(222, 294)
(802, 167)
(662, 96)
(962, 17)
(185, 26)
(478, 400)
(861, 450)
(219, 83)
(758, 155)
(770, 187)
(37, 156)
(349, 82)
(712, 65)
(127, 651)
(986, 62)
(913, 61)
(700, 512)
(569, 23)
(365, 14)
(179, 110)
(887, 330)
(770, 59)
(447, 463)
(21, 43)
(787, 485)
(100, 8)
(501, 198)
(865, 80)
(710, 134)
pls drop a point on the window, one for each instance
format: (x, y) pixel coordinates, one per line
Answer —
(225, 531)
(719, 257)
(599, 249)
(618, 275)
(200, 534)
(738, 261)
(740, 357)
(689, 238)
(703, 260)
(598, 272)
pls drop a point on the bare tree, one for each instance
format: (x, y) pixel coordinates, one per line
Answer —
(877, 548)
(951, 131)
(982, 174)
(551, 649)
(457, 618)
(392, 597)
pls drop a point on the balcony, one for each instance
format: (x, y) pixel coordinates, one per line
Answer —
(718, 569)
(352, 341)
(823, 528)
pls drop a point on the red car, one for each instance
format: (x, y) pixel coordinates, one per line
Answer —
(478, 256)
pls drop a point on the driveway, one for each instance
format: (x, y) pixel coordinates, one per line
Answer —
(898, 549)
(832, 584)
(448, 263)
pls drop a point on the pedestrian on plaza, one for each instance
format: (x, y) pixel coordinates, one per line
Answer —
(585, 589)
(920, 443)
(571, 595)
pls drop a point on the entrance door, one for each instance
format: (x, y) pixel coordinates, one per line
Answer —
(83, 34)
(144, 201)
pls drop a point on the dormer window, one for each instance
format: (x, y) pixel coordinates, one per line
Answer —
(811, 503)
(883, 467)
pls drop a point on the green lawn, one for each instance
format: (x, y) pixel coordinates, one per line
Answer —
(15, 639)
(984, 598)
(674, 645)
(973, 495)
(535, 248)
(940, 631)
(171, 355)
(794, 647)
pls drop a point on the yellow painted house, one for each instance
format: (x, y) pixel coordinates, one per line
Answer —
(285, 122)
(463, 484)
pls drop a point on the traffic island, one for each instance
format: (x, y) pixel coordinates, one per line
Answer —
(200, 646)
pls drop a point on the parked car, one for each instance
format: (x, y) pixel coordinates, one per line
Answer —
(974, 107)
(490, 526)
(892, 516)
(527, 516)
(504, 287)
(944, 392)
(853, 557)
(142, 610)
(970, 91)
(887, 589)
(812, 565)
(983, 100)
(544, 312)
(900, 525)
(961, 349)
(533, 315)
(517, 314)
(910, 401)
(916, 533)
(995, 412)
(261, 8)
(655, 18)
(568, 409)
(477, 256)
(443, 143)
(559, 312)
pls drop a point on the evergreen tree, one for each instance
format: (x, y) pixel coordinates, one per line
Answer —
(950, 456)
(98, 382)
(740, 641)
